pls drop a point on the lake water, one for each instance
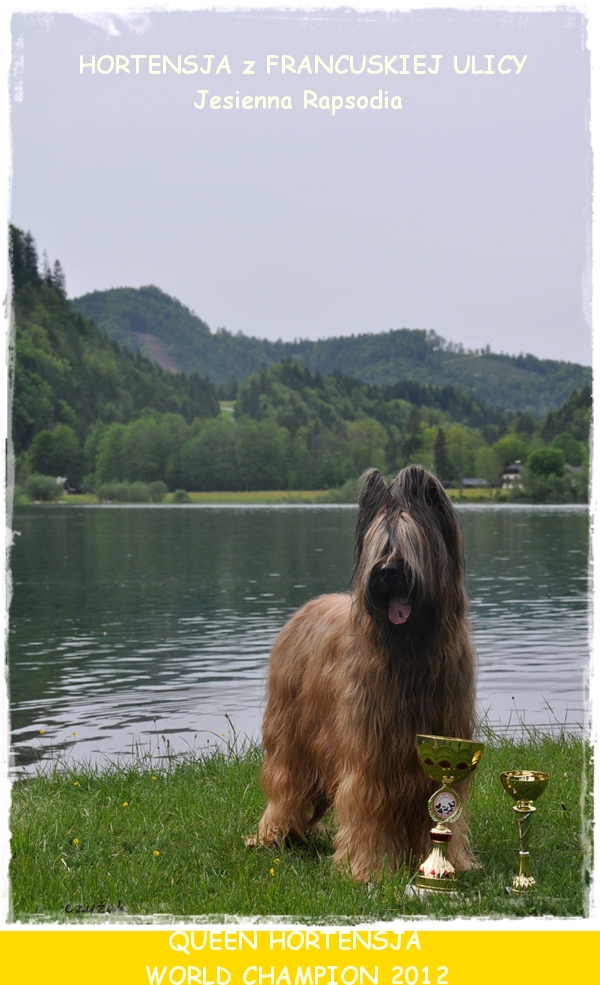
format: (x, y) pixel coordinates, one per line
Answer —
(131, 623)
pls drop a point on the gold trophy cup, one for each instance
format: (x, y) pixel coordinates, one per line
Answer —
(524, 786)
(447, 761)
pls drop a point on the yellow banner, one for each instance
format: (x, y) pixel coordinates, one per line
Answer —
(288, 956)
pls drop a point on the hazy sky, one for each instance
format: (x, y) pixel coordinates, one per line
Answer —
(466, 211)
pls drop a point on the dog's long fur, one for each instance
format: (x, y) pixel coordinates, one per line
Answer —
(349, 689)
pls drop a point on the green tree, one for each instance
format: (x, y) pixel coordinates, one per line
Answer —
(23, 259)
(367, 440)
(491, 433)
(138, 493)
(539, 488)
(440, 456)
(331, 455)
(301, 468)
(42, 487)
(181, 496)
(510, 448)
(547, 461)
(574, 450)
(413, 440)
(91, 447)
(463, 443)
(486, 465)
(111, 465)
(58, 279)
(145, 450)
(524, 423)
(57, 452)
(209, 457)
(262, 454)
(573, 417)
(157, 491)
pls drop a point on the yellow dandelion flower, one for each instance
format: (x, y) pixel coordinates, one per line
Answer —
(76, 784)
(73, 733)
(277, 861)
(125, 804)
(272, 872)
(42, 730)
(154, 777)
(75, 841)
(156, 854)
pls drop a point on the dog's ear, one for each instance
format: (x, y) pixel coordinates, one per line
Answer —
(417, 485)
(416, 489)
(373, 497)
(437, 497)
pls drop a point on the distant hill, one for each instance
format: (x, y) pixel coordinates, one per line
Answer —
(87, 407)
(149, 321)
(67, 372)
(296, 398)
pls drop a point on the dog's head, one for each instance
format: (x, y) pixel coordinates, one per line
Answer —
(409, 569)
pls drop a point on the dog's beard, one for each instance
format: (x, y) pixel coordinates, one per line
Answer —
(389, 594)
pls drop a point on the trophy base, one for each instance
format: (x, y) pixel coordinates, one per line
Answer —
(426, 893)
(433, 885)
(437, 873)
(523, 884)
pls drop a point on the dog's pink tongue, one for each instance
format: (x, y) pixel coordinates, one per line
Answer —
(399, 610)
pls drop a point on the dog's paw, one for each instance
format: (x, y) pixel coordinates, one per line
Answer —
(352, 871)
(260, 840)
(472, 865)
(465, 863)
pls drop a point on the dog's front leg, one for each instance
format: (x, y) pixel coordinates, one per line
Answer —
(363, 839)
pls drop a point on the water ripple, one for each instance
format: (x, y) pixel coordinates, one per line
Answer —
(180, 647)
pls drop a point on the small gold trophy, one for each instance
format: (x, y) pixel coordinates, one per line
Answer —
(524, 786)
(447, 761)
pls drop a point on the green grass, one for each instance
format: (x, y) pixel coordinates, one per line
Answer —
(177, 847)
(482, 495)
(347, 494)
(267, 496)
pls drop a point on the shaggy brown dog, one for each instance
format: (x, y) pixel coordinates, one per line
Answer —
(354, 678)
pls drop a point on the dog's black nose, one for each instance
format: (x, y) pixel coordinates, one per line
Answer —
(389, 569)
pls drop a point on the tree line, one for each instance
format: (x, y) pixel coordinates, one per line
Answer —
(285, 437)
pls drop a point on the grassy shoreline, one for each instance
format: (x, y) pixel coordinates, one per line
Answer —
(165, 837)
(276, 497)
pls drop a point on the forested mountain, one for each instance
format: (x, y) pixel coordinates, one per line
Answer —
(111, 421)
(337, 419)
(573, 417)
(147, 320)
(296, 398)
(67, 372)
